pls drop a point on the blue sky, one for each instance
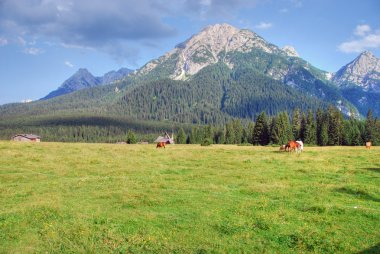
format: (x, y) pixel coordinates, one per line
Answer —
(43, 42)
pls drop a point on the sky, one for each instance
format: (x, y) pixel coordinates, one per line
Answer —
(44, 42)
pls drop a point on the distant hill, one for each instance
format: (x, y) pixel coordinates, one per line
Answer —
(84, 79)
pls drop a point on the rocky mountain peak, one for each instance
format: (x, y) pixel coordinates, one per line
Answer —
(363, 71)
(210, 46)
(290, 51)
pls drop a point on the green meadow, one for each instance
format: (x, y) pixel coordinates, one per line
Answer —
(108, 198)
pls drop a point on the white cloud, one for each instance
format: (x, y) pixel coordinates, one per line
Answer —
(264, 25)
(365, 40)
(21, 41)
(69, 64)
(32, 51)
(362, 30)
(3, 41)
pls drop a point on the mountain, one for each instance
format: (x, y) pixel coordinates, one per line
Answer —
(113, 76)
(84, 79)
(363, 72)
(359, 82)
(242, 49)
(218, 74)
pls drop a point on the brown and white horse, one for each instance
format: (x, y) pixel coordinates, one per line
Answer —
(294, 146)
(160, 144)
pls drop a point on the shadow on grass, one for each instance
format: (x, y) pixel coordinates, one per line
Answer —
(377, 170)
(358, 193)
(373, 250)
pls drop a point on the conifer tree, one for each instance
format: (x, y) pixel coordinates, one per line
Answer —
(250, 129)
(296, 123)
(230, 133)
(238, 129)
(335, 131)
(260, 132)
(181, 137)
(324, 135)
(274, 131)
(320, 120)
(131, 138)
(310, 134)
(370, 127)
(356, 139)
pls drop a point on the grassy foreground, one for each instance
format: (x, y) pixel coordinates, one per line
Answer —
(103, 198)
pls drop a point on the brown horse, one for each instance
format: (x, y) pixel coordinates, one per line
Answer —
(292, 146)
(160, 144)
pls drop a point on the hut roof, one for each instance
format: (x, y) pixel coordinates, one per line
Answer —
(28, 136)
(166, 139)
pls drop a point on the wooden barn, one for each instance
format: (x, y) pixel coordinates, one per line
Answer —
(165, 139)
(26, 137)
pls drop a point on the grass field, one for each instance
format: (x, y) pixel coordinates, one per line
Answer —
(103, 198)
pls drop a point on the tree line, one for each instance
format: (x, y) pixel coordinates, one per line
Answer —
(322, 127)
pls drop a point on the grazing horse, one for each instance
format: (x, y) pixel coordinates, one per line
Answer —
(300, 148)
(368, 144)
(160, 144)
(282, 148)
(292, 145)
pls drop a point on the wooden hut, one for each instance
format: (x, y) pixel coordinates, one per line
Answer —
(165, 139)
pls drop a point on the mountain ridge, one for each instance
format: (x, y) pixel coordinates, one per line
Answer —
(82, 79)
(234, 74)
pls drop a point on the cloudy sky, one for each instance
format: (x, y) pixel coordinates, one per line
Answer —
(43, 42)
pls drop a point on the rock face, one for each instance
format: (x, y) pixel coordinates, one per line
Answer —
(210, 46)
(290, 51)
(363, 72)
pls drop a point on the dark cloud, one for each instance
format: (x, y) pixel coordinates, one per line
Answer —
(105, 25)
(85, 21)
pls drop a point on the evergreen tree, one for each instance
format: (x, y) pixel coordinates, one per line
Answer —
(219, 136)
(260, 131)
(181, 137)
(377, 132)
(356, 139)
(230, 133)
(310, 134)
(250, 129)
(324, 135)
(370, 127)
(274, 135)
(288, 128)
(296, 123)
(238, 128)
(195, 136)
(208, 132)
(335, 131)
(319, 121)
(131, 138)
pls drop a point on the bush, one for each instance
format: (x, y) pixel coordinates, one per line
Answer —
(206, 142)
